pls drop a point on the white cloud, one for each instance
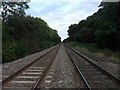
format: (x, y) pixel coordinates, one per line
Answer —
(68, 0)
(60, 15)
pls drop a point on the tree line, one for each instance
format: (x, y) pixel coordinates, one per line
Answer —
(23, 35)
(102, 28)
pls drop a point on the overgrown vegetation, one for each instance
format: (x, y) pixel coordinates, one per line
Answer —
(24, 35)
(101, 30)
(93, 49)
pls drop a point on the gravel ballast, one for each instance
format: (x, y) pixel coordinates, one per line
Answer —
(64, 73)
(106, 64)
(12, 67)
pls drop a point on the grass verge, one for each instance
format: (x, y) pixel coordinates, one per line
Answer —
(92, 49)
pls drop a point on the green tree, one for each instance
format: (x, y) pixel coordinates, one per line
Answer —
(102, 28)
(15, 9)
(24, 35)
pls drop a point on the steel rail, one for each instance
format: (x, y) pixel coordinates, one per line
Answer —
(22, 69)
(44, 72)
(86, 82)
(104, 71)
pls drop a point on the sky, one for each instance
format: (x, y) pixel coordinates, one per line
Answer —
(60, 14)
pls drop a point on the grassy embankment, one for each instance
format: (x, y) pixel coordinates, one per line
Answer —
(92, 48)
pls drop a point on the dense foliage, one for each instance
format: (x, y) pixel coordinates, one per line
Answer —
(15, 9)
(102, 28)
(24, 35)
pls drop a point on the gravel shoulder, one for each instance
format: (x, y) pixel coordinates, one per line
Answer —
(64, 74)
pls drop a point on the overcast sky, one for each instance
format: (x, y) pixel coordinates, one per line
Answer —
(60, 14)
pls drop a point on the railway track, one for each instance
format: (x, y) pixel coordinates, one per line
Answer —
(92, 75)
(33, 74)
(39, 73)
